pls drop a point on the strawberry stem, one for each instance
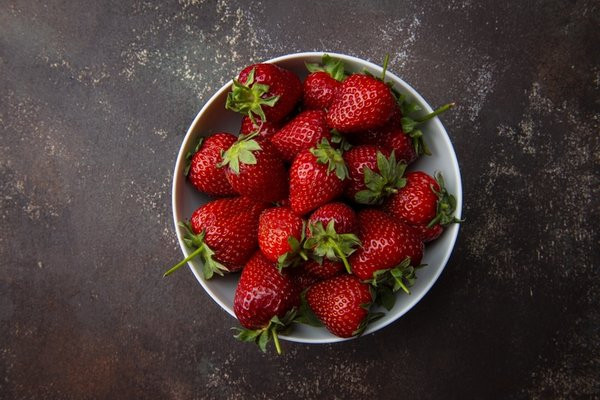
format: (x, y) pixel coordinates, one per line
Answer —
(276, 342)
(402, 285)
(435, 113)
(303, 255)
(341, 255)
(386, 60)
(183, 262)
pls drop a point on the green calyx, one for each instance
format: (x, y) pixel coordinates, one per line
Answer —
(387, 181)
(249, 98)
(241, 151)
(189, 155)
(445, 206)
(196, 241)
(296, 254)
(389, 281)
(325, 242)
(409, 124)
(263, 336)
(326, 154)
(386, 61)
(340, 140)
(333, 66)
(371, 317)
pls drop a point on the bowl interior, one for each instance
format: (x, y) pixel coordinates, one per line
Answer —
(213, 117)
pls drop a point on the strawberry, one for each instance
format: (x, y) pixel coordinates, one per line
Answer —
(255, 169)
(424, 203)
(331, 233)
(223, 233)
(390, 139)
(429, 234)
(264, 128)
(264, 302)
(342, 215)
(362, 102)
(387, 245)
(303, 132)
(202, 170)
(312, 272)
(327, 269)
(313, 181)
(265, 90)
(373, 175)
(280, 233)
(342, 304)
(323, 82)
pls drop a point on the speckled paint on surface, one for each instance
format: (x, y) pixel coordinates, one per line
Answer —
(95, 98)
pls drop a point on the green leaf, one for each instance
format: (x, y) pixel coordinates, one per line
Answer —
(408, 124)
(246, 157)
(189, 155)
(234, 165)
(251, 145)
(386, 297)
(368, 319)
(446, 205)
(306, 315)
(333, 66)
(263, 339)
(365, 197)
(313, 67)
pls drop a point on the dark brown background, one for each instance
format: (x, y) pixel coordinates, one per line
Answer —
(95, 98)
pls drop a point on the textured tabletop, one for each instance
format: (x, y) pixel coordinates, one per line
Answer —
(95, 99)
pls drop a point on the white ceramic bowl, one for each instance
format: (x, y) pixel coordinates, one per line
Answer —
(214, 117)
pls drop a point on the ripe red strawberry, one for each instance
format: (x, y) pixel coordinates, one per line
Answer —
(312, 272)
(316, 177)
(255, 169)
(202, 170)
(429, 234)
(386, 243)
(266, 91)
(342, 215)
(424, 203)
(223, 233)
(303, 132)
(416, 202)
(389, 139)
(327, 269)
(362, 103)
(265, 129)
(342, 304)
(374, 174)
(323, 82)
(264, 301)
(280, 235)
(319, 90)
(331, 233)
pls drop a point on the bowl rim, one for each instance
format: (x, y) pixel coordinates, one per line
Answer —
(452, 230)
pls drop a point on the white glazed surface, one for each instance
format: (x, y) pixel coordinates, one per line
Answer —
(213, 118)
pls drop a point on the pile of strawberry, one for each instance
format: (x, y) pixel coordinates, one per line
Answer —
(314, 205)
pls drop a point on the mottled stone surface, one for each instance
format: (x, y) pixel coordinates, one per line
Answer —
(95, 98)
